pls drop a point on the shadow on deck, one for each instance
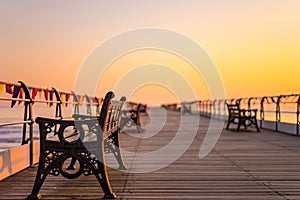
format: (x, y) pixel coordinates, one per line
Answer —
(242, 165)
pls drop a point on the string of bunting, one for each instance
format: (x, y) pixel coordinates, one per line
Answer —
(17, 92)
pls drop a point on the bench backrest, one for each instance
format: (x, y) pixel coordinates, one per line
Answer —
(61, 131)
(110, 112)
(233, 109)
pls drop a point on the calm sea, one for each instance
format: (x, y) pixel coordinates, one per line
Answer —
(11, 136)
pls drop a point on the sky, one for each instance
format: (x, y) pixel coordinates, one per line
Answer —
(254, 44)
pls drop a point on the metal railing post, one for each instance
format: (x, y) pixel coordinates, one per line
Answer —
(88, 105)
(97, 106)
(58, 111)
(262, 111)
(278, 114)
(28, 117)
(76, 104)
(298, 113)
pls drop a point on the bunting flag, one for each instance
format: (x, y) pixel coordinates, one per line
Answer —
(2, 86)
(40, 93)
(80, 99)
(51, 97)
(268, 101)
(15, 95)
(46, 95)
(21, 95)
(9, 89)
(34, 93)
(62, 96)
(67, 99)
(96, 100)
(93, 100)
(294, 98)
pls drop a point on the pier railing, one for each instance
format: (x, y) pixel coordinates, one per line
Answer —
(278, 113)
(64, 103)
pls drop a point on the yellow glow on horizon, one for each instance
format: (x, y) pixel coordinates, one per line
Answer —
(153, 94)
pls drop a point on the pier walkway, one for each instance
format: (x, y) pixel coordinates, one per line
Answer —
(243, 165)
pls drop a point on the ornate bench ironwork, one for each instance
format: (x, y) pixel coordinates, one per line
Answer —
(72, 148)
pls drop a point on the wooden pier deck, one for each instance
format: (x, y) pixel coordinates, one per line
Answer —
(243, 165)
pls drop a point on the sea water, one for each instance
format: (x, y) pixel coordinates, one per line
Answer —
(11, 135)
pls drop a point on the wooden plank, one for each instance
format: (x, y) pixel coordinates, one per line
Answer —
(243, 165)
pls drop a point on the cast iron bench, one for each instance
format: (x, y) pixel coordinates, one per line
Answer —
(245, 117)
(132, 117)
(75, 147)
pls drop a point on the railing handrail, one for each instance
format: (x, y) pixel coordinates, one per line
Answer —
(54, 98)
(213, 107)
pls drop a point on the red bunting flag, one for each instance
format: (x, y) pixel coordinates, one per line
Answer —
(95, 100)
(46, 95)
(9, 89)
(67, 99)
(78, 98)
(51, 97)
(34, 93)
(15, 95)
(21, 95)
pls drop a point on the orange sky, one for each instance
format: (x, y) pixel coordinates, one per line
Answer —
(254, 44)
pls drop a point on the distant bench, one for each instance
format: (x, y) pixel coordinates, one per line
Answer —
(245, 117)
(75, 147)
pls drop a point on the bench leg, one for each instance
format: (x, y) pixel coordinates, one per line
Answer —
(256, 125)
(116, 151)
(242, 121)
(228, 122)
(41, 175)
(238, 127)
(137, 122)
(227, 127)
(103, 180)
